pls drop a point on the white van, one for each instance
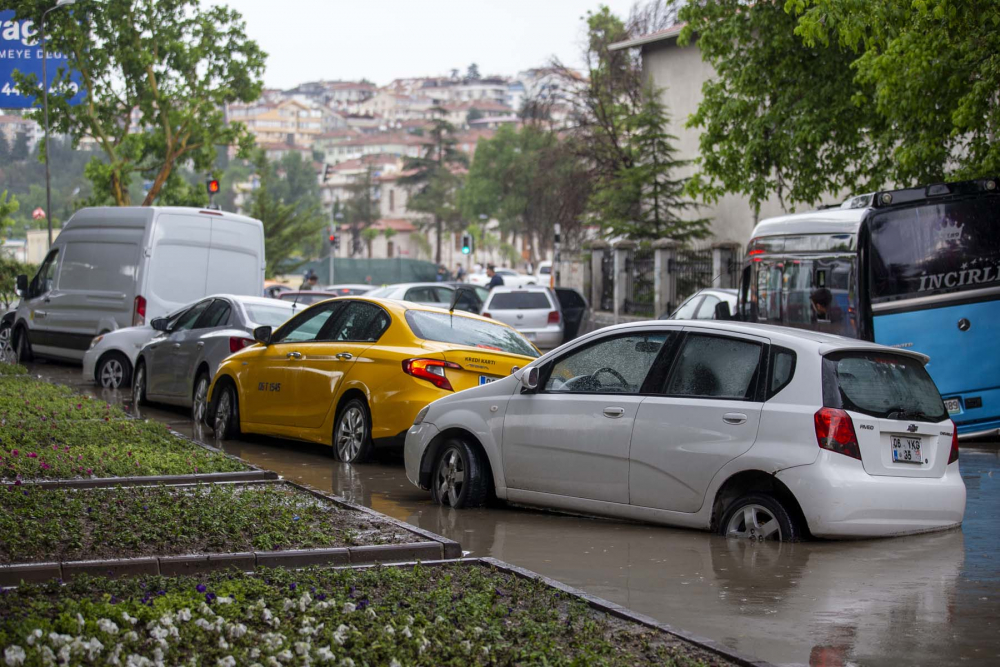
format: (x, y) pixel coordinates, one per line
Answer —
(116, 267)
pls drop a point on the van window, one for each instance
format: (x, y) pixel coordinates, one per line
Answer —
(99, 267)
(45, 278)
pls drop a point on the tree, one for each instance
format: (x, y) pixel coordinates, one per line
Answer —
(5, 147)
(361, 208)
(369, 235)
(474, 114)
(8, 207)
(472, 74)
(158, 74)
(21, 148)
(388, 233)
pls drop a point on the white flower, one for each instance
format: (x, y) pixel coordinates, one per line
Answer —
(108, 626)
(203, 624)
(266, 615)
(288, 605)
(166, 620)
(131, 636)
(113, 658)
(80, 621)
(58, 640)
(272, 661)
(237, 630)
(325, 654)
(370, 611)
(49, 657)
(389, 630)
(340, 636)
(302, 648)
(406, 632)
(255, 653)
(158, 657)
(409, 619)
(285, 655)
(304, 601)
(224, 600)
(93, 648)
(466, 646)
(64, 654)
(395, 663)
(129, 619)
(14, 655)
(349, 607)
(223, 644)
(134, 660)
(35, 635)
(485, 650)
(228, 661)
(440, 619)
(477, 631)
(184, 614)
(422, 644)
(205, 610)
(346, 662)
(159, 634)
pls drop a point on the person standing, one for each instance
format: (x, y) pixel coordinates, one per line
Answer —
(496, 280)
(460, 273)
(310, 282)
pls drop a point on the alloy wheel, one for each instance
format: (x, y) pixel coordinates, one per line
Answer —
(351, 434)
(223, 413)
(7, 352)
(755, 523)
(200, 399)
(450, 477)
(112, 374)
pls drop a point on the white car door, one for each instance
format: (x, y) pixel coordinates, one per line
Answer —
(571, 436)
(705, 414)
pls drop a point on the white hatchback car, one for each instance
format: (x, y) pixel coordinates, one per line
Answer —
(533, 310)
(757, 432)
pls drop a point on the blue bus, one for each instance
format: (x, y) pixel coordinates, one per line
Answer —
(916, 268)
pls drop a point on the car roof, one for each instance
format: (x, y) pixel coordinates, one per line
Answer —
(823, 221)
(520, 288)
(425, 284)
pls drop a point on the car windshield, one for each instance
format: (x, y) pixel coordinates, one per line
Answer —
(882, 385)
(520, 301)
(468, 331)
(382, 292)
(270, 315)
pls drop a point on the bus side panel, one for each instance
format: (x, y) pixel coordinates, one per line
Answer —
(964, 364)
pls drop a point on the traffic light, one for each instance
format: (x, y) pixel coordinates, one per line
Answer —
(467, 245)
(335, 241)
(213, 186)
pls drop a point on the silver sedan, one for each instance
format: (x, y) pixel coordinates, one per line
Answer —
(178, 367)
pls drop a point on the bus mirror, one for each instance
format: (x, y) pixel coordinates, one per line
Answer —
(722, 311)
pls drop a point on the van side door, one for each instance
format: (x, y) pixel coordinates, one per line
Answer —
(34, 311)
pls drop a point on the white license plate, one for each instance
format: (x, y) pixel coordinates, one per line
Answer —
(952, 406)
(485, 379)
(906, 450)
(529, 336)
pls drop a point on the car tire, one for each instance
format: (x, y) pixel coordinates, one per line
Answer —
(199, 397)
(23, 346)
(352, 432)
(139, 384)
(7, 352)
(226, 422)
(113, 371)
(460, 478)
(758, 517)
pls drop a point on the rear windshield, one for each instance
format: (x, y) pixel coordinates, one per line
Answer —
(520, 301)
(268, 315)
(382, 292)
(467, 331)
(881, 385)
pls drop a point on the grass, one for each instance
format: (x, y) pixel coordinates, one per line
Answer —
(75, 524)
(12, 369)
(455, 615)
(25, 400)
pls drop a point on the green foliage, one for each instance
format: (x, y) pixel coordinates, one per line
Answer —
(172, 63)
(25, 179)
(10, 269)
(369, 234)
(8, 207)
(361, 209)
(424, 247)
(20, 150)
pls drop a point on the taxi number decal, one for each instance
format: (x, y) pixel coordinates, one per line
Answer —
(268, 386)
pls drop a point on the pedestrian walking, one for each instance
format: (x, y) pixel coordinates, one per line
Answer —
(496, 280)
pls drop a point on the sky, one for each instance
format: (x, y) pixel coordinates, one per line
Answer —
(386, 39)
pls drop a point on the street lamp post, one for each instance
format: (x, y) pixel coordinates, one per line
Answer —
(45, 105)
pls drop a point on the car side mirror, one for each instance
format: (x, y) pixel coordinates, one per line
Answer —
(160, 324)
(722, 311)
(262, 335)
(529, 378)
(21, 285)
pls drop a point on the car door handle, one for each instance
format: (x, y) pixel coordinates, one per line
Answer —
(614, 413)
(176, 345)
(734, 418)
(294, 355)
(344, 355)
(200, 343)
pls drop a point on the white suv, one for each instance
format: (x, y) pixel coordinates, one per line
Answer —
(757, 432)
(532, 310)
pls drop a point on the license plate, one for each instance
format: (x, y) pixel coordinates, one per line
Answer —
(952, 406)
(529, 336)
(485, 379)
(906, 450)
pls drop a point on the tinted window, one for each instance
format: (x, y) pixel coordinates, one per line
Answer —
(360, 322)
(715, 367)
(782, 369)
(570, 298)
(99, 267)
(44, 279)
(216, 315)
(935, 249)
(188, 319)
(817, 293)
(468, 331)
(687, 309)
(307, 325)
(422, 295)
(520, 301)
(612, 366)
(881, 385)
(268, 315)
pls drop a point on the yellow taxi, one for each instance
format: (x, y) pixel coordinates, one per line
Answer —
(353, 372)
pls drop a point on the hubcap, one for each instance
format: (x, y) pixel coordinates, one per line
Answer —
(350, 434)
(139, 386)
(200, 394)
(450, 477)
(112, 374)
(222, 414)
(7, 353)
(754, 523)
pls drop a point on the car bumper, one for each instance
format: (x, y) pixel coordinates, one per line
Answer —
(543, 338)
(418, 438)
(839, 499)
(90, 364)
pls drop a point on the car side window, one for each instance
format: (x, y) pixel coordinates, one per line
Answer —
(782, 369)
(617, 365)
(45, 278)
(306, 326)
(687, 309)
(444, 294)
(215, 315)
(188, 319)
(715, 367)
(421, 295)
(360, 322)
(707, 309)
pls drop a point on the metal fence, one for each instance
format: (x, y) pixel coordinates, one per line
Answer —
(608, 281)
(640, 295)
(692, 270)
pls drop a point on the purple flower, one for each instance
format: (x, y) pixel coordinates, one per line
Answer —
(292, 586)
(321, 597)
(209, 597)
(79, 405)
(145, 507)
(13, 452)
(32, 455)
(201, 588)
(362, 603)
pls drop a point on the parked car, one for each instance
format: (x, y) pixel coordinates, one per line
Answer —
(543, 273)
(306, 297)
(532, 310)
(114, 267)
(111, 358)
(472, 299)
(353, 372)
(273, 290)
(575, 312)
(347, 289)
(756, 432)
(701, 305)
(429, 294)
(510, 277)
(178, 367)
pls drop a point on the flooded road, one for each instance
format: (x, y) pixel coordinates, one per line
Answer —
(927, 600)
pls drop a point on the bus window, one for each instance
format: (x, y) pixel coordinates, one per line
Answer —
(769, 287)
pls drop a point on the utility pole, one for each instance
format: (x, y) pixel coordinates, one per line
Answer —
(554, 273)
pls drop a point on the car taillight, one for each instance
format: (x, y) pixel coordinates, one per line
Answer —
(431, 370)
(835, 432)
(236, 343)
(487, 315)
(953, 456)
(139, 312)
(553, 317)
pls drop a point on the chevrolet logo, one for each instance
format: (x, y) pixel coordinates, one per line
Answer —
(912, 428)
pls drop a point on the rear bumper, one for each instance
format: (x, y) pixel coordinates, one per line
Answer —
(839, 499)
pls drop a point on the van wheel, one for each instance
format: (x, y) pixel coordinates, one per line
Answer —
(7, 352)
(114, 371)
(352, 436)
(757, 517)
(23, 346)
(227, 414)
(199, 398)
(139, 385)
(460, 476)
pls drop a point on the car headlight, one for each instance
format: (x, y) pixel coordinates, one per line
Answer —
(95, 341)
(419, 419)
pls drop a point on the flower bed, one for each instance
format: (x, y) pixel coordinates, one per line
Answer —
(40, 524)
(12, 369)
(29, 402)
(446, 615)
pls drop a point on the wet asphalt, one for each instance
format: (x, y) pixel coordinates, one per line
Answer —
(921, 600)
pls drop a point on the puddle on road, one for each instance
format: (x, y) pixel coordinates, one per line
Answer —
(930, 599)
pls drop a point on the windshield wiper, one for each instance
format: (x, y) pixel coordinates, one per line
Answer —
(903, 413)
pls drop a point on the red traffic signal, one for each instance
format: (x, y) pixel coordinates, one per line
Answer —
(213, 186)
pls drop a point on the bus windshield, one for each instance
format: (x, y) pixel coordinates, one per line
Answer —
(935, 248)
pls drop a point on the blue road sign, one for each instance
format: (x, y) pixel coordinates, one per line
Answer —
(20, 50)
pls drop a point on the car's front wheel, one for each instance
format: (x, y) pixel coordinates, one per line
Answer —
(757, 517)
(139, 385)
(23, 346)
(460, 476)
(352, 442)
(114, 371)
(199, 398)
(227, 416)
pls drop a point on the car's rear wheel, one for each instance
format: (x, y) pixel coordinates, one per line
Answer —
(199, 398)
(757, 517)
(460, 476)
(139, 385)
(114, 371)
(227, 414)
(352, 442)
